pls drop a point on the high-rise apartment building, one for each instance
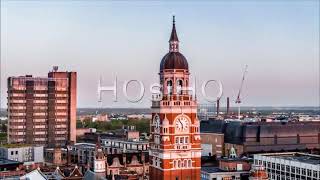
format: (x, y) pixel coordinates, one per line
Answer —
(41, 110)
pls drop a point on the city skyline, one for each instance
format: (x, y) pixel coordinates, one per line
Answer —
(277, 40)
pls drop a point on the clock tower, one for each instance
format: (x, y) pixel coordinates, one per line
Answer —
(175, 145)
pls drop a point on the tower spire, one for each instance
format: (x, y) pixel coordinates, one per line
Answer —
(174, 36)
(174, 41)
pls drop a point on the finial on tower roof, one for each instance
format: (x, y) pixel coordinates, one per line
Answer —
(174, 36)
(173, 19)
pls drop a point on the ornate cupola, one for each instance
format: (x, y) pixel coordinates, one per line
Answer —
(173, 59)
(99, 159)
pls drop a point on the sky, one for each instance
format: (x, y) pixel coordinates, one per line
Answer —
(278, 40)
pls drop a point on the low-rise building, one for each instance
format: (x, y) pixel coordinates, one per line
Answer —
(215, 173)
(290, 165)
(26, 154)
(261, 137)
(115, 146)
(10, 169)
(83, 131)
(231, 167)
(212, 142)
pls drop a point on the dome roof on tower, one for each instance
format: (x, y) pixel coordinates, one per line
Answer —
(174, 60)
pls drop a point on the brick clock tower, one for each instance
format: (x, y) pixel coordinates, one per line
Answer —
(175, 145)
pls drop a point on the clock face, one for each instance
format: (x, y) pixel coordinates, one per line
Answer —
(157, 121)
(182, 124)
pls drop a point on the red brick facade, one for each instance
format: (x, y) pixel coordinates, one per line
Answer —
(175, 143)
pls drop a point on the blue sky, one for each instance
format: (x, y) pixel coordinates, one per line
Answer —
(279, 41)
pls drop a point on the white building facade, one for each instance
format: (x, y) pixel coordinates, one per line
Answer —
(290, 166)
(25, 154)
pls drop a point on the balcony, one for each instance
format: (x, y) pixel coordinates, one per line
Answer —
(182, 146)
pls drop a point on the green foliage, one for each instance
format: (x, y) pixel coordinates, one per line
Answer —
(3, 137)
(141, 125)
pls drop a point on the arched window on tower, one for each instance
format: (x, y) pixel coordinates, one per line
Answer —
(169, 87)
(179, 87)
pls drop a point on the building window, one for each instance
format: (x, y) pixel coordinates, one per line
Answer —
(169, 87)
(298, 170)
(179, 87)
(309, 172)
(185, 163)
(181, 140)
(165, 130)
(189, 163)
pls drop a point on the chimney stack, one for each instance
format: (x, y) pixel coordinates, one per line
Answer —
(218, 106)
(228, 107)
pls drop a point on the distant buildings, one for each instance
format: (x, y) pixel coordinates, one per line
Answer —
(83, 131)
(100, 118)
(290, 165)
(231, 167)
(255, 137)
(102, 161)
(215, 173)
(26, 154)
(139, 116)
(42, 111)
(206, 111)
(120, 146)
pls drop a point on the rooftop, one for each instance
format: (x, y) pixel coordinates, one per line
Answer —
(15, 145)
(214, 169)
(297, 157)
(211, 169)
(8, 161)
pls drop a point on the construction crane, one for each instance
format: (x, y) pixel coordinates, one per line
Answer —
(238, 100)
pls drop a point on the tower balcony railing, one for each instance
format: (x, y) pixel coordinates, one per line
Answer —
(172, 100)
(182, 146)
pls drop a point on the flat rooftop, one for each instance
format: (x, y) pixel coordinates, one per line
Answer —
(211, 169)
(15, 145)
(297, 157)
(8, 161)
(214, 169)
